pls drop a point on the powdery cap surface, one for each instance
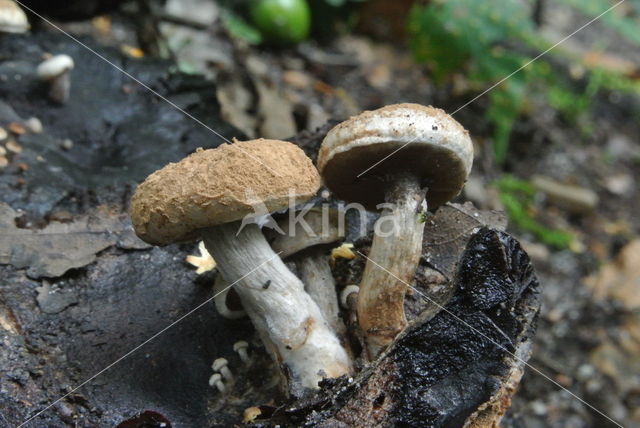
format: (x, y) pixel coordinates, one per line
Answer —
(440, 153)
(12, 18)
(220, 185)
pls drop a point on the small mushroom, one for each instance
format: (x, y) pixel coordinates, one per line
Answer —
(241, 347)
(406, 156)
(222, 365)
(34, 125)
(216, 380)
(206, 195)
(12, 18)
(55, 71)
(349, 301)
(307, 240)
(221, 291)
(349, 296)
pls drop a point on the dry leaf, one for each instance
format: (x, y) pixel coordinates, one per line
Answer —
(52, 251)
(620, 278)
(204, 262)
(447, 232)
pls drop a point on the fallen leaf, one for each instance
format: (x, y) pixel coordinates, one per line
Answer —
(53, 250)
(17, 128)
(343, 251)
(446, 233)
(617, 356)
(235, 102)
(296, 79)
(620, 278)
(204, 262)
(276, 112)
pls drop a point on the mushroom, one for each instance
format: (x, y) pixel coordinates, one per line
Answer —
(349, 296)
(205, 195)
(216, 380)
(394, 155)
(222, 365)
(349, 301)
(241, 347)
(56, 72)
(306, 240)
(12, 18)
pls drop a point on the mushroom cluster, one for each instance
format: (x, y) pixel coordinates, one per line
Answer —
(205, 195)
(421, 158)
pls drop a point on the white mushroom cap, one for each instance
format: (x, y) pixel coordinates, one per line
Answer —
(219, 363)
(241, 348)
(54, 66)
(216, 380)
(12, 18)
(240, 344)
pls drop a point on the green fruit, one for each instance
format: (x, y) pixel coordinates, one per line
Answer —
(281, 21)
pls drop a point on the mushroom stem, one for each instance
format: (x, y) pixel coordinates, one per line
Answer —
(317, 277)
(241, 348)
(397, 252)
(59, 88)
(288, 320)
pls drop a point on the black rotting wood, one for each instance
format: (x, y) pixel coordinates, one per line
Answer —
(441, 371)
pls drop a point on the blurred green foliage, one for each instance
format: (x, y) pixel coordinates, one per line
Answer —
(489, 40)
(517, 196)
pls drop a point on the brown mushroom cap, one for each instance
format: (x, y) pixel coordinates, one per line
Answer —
(440, 153)
(209, 188)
